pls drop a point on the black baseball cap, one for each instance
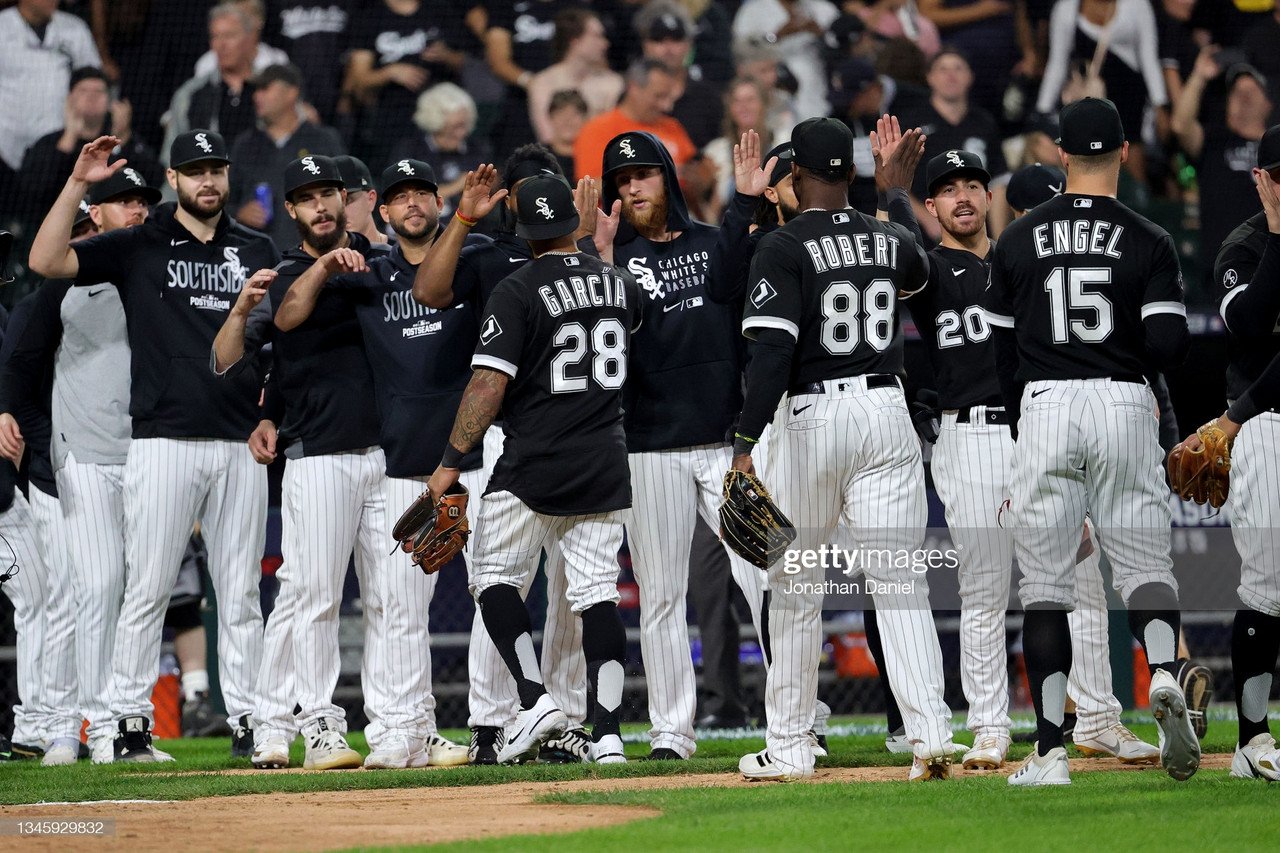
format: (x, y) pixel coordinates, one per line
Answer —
(1090, 126)
(309, 171)
(355, 174)
(406, 172)
(82, 213)
(1244, 69)
(822, 144)
(631, 149)
(282, 73)
(544, 208)
(1046, 123)
(86, 72)
(849, 80)
(1034, 185)
(784, 153)
(1269, 150)
(197, 145)
(667, 27)
(953, 164)
(127, 181)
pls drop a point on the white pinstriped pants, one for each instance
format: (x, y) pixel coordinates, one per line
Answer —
(28, 591)
(670, 488)
(58, 610)
(1252, 506)
(971, 464)
(850, 460)
(169, 484)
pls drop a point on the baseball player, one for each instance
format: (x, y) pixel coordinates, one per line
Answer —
(553, 354)
(971, 461)
(1085, 298)
(362, 198)
(175, 274)
(683, 392)
(454, 272)
(822, 311)
(1248, 266)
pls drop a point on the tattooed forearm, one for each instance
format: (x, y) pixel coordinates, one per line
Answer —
(480, 404)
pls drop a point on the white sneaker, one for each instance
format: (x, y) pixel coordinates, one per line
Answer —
(759, 767)
(327, 748)
(925, 769)
(271, 754)
(1040, 769)
(988, 753)
(1118, 741)
(103, 752)
(1179, 746)
(398, 753)
(442, 752)
(63, 752)
(897, 743)
(608, 750)
(1258, 759)
(531, 729)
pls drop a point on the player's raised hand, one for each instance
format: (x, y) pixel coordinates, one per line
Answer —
(254, 290)
(92, 166)
(1269, 195)
(344, 261)
(586, 200)
(262, 443)
(748, 177)
(476, 201)
(607, 229)
(12, 444)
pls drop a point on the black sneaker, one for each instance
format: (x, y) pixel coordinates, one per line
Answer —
(6, 749)
(485, 743)
(25, 751)
(199, 719)
(572, 747)
(242, 738)
(133, 742)
(664, 753)
(1196, 681)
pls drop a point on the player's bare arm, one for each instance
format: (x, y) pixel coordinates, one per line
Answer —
(433, 285)
(480, 405)
(51, 253)
(228, 346)
(301, 298)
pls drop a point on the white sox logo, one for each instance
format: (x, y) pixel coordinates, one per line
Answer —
(762, 292)
(309, 163)
(134, 177)
(545, 209)
(404, 166)
(202, 142)
(645, 277)
(954, 158)
(625, 147)
(490, 331)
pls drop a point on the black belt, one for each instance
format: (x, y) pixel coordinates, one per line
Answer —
(991, 416)
(874, 380)
(1135, 378)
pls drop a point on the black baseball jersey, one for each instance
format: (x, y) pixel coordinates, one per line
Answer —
(830, 279)
(953, 325)
(1236, 273)
(1075, 278)
(560, 327)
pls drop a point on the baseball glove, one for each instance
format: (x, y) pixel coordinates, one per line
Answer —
(751, 523)
(1202, 474)
(434, 531)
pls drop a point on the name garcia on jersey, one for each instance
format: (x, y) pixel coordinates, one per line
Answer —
(583, 291)
(852, 250)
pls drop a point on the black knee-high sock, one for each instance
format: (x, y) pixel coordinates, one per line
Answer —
(1155, 621)
(1255, 641)
(764, 628)
(1046, 647)
(892, 714)
(507, 621)
(604, 644)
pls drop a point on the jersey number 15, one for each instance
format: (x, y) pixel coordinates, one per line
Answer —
(1066, 289)
(608, 344)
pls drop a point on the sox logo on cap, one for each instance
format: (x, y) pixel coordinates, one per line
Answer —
(202, 142)
(625, 147)
(309, 164)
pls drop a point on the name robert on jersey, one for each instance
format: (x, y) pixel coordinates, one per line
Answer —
(579, 291)
(853, 250)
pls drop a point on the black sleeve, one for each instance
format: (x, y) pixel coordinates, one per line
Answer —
(1005, 341)
(916, 265)
(731, 257)
(107, 257)
(1262, 395)
(1168, 340)
(898, 206)
(272, 401)
(1251, 308)
(34, 333)
(1169, 433)
(767, 377)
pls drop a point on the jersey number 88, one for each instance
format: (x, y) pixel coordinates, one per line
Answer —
(846, 323)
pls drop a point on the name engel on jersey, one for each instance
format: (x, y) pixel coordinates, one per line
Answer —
(583, 291)
(226, 277)
(1077, 237)
(852, 250)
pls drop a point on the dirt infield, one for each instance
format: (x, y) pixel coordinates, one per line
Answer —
(337, 820)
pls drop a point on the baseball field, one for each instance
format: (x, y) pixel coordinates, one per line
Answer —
(859, 798)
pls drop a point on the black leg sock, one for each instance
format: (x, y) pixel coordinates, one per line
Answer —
(1255, 641)
(604, 644)
(892, 714)
(764, 628)
(1155, 621)
(1046, 646)
(507, 621)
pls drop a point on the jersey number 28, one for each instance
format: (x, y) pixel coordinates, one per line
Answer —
(850, 317)
(1066, 289)
(608, 340)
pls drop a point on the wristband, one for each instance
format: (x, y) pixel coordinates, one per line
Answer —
(743, 445)
(452, 457)
(470, 223)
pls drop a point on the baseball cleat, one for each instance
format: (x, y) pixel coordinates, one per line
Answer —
(25, 751)
(925, 769)
(1179, 747)
(271, 754)
(818, 734)
(327, 748)
(572, 747)
(897, 743)
(532, 728)
(199, 719)
(103, 751)
(1040, 769)
(988, 753)
(608, 750)
(63, 752)
(760, 767)
(485, 743)
(242, 738)
(443, 752)
(1258, 759)
(1196, 681)
(133, 743)
(1120, 743)
(663, 753)
(398, 753)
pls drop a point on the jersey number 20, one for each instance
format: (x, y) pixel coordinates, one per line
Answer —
(850, 317)
(608, 341)
(1066, 289)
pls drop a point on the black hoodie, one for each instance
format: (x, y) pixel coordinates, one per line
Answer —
(683, 374)
(176, 293)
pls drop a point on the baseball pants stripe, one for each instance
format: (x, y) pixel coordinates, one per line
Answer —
(1251, 504)
(58, 654)
(26, 590)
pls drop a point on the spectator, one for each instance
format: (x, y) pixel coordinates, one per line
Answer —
(746, 107)
(90, 113)
(222, 101)
(398, 48)
(903, 72)
(41, 47)
(313, 33)
(857, 99)
(900, 19)
(362, 198)
(981, 28)
(447, 116)
(646, 105)
(1224, 147)
(1040, 140)
(758, 60)
(711, 48)
(666, 35)
(262, 153)
(266, 56)
(568, 113)
(1261, 43)
(581, 64)
(797, 27)
(949, 122)
(1123, 32)
(518, 45)
(1177, 43)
